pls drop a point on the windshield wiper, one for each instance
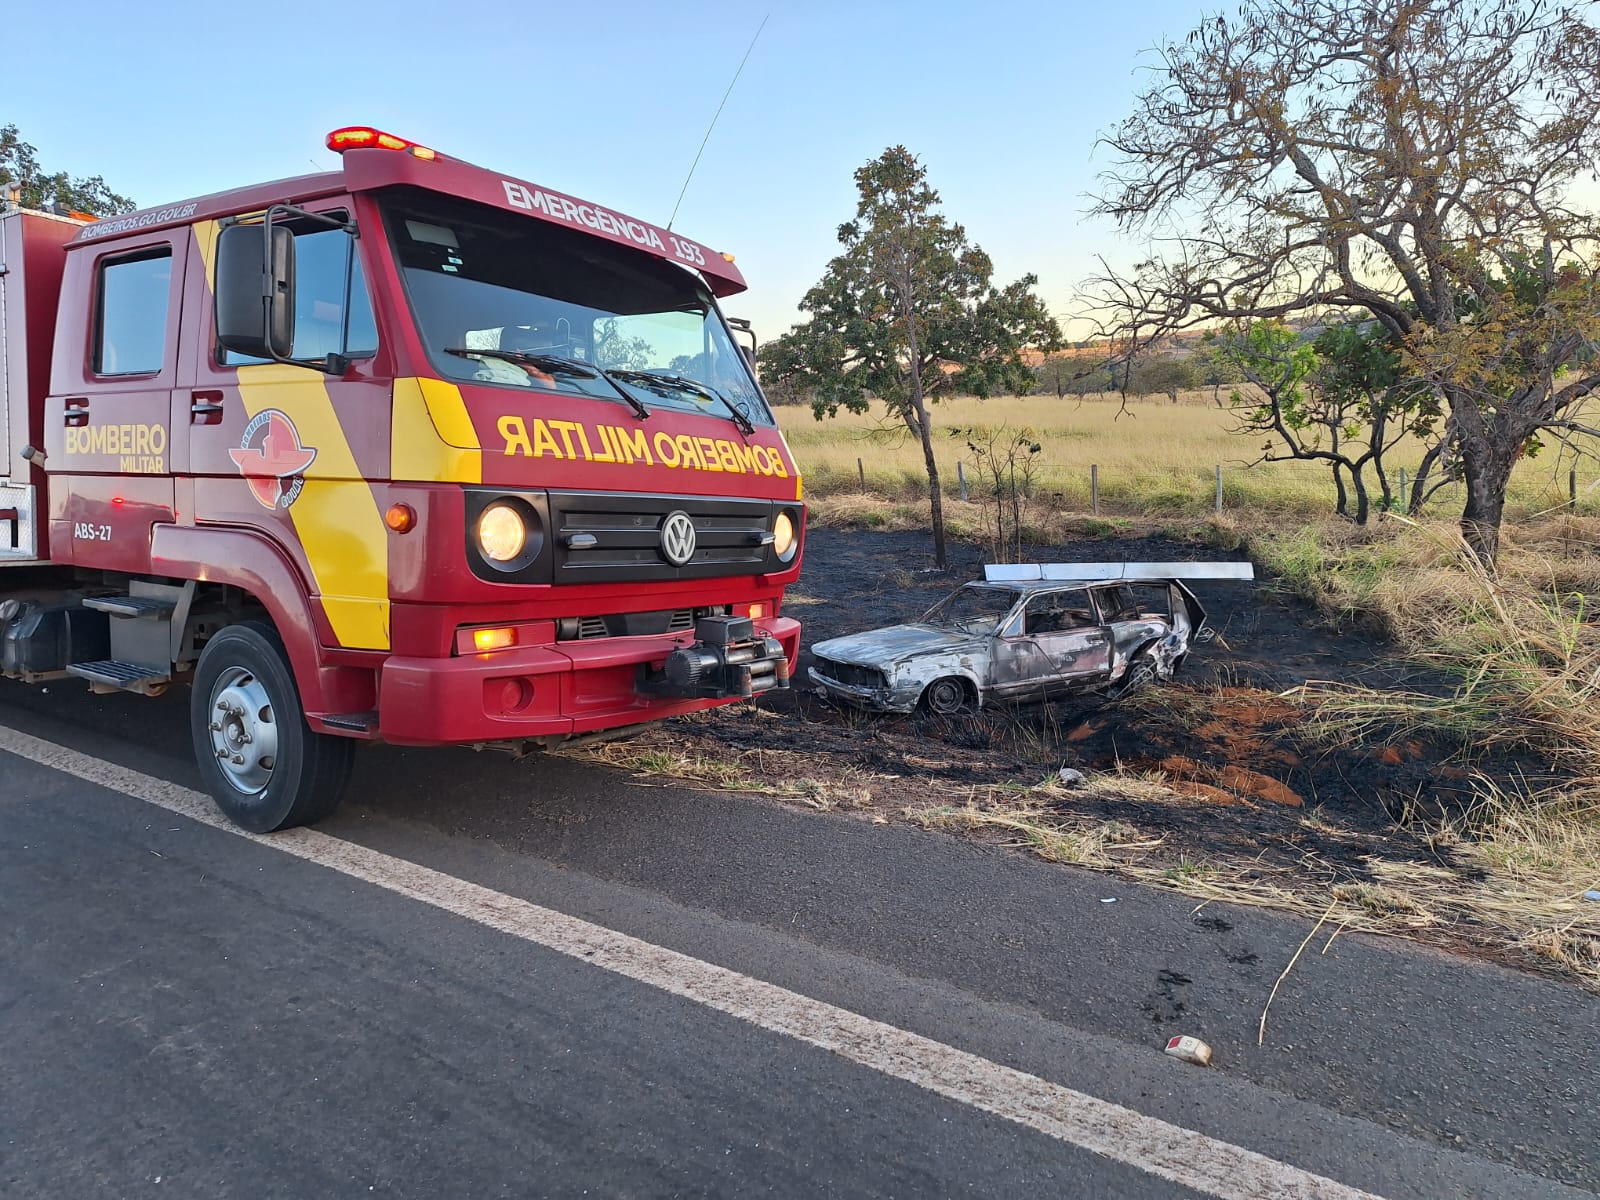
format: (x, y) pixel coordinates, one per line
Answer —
(556, 363)
(652, 381)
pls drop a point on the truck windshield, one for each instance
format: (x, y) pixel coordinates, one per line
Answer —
(524, 291)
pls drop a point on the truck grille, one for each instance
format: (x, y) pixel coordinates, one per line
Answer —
(601, 537)
(644, 624)
(849, 674)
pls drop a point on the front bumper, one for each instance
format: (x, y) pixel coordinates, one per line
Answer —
(554, 691)
(878, 699)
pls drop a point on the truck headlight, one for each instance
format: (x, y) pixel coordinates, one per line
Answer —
(784, 537)
(502, 533)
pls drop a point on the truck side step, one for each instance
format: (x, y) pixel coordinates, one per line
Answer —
(132, 606)
(110, 675)
(362, 722)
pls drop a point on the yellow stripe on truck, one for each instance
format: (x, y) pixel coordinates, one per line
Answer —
(432, 438)
(336, 514)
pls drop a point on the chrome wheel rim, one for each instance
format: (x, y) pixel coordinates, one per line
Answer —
(244, 731)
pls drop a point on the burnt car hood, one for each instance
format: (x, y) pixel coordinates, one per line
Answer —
(895, 644)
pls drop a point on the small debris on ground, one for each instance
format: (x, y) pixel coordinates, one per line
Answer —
(1190, 1049)
(1592, 894)
(1108, 900)
(1070, 777)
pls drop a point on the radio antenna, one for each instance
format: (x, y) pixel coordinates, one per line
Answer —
(714, 117)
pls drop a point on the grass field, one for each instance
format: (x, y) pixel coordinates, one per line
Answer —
(1156, 459)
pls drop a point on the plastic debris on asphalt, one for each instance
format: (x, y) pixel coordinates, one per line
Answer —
(1190, 1049)
(1108, 900)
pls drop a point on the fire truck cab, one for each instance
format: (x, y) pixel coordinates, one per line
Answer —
(409, 451)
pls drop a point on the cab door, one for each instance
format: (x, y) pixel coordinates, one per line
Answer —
(108, 415)
(292, 449)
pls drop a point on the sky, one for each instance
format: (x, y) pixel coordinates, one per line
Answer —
(610, 100)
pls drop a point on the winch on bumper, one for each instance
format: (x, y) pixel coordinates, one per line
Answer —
(727, 659)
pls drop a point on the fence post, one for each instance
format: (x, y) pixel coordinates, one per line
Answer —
(1219, 487)
(1094, 487)
(1572, 489)
(961, 474)
(861, 470)
(1404, 507)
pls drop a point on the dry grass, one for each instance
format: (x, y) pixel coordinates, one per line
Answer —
(780, 774)
(1518, 654)
(1519, 872)
(1156, 458)
(1521, 646)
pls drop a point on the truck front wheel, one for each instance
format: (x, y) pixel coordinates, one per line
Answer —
(262, 764)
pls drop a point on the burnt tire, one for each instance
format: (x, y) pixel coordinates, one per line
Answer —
(1141, 673)
(948, 697)
(263, 765)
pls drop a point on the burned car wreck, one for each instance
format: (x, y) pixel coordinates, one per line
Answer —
(1027, 633)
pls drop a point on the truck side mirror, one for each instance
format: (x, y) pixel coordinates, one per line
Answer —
(254, 290)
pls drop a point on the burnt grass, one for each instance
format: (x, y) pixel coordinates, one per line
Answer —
(1253, 787)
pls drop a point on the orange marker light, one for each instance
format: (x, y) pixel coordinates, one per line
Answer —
(362, 137)
(726, 257)
(757, 611)
(493, 639)
(401, 518)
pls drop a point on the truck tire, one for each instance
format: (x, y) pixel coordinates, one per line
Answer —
(262, 764)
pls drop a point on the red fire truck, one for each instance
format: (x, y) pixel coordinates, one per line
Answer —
(407, 452)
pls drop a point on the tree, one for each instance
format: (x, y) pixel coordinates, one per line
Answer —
(1404, 159)
(613, 347)
(1057, 373)
(1072, 375)
(1003, 476)
(906, 315)
(19, 168)
(1164, 376)
(1216, 371)
(1332, 399)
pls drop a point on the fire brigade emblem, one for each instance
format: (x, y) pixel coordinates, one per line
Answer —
(272, 460)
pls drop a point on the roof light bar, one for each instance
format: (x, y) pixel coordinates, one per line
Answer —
(364, 137)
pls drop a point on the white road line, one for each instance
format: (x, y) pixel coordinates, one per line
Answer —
(1117, 1133)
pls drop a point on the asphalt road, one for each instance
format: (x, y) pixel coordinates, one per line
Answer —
(787, 1003)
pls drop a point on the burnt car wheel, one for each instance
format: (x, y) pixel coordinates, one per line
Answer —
(1141, 673)
(948, 696)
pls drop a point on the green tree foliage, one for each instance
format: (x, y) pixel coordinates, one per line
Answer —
(20, 169)
(1166, 375)
(1338, 399)
(907, 315)
(1407, 160)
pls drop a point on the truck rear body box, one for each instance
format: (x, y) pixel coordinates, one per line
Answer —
(31, 262)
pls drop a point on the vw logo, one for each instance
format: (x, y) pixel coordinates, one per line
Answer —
(677, 538)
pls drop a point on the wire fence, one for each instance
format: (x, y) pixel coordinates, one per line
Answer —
(1285, 487)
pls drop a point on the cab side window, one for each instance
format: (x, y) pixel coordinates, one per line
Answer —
(130, 326)
(332, 311)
